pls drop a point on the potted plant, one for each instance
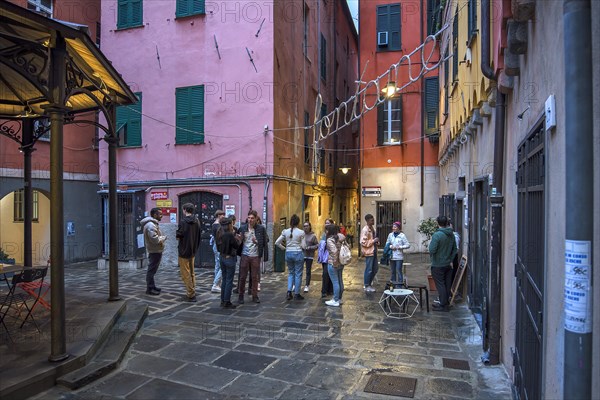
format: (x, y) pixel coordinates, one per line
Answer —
(427, 228)
(4, 259)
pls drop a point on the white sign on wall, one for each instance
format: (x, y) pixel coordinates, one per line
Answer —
(578, 307)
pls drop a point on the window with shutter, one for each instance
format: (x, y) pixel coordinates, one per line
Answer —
(432, 99)
(19, 206)
(388, 27)
(389, 122)
(306, 138)
(129, 124)
(433, 16)
(323, 57)
(129, 13)
(472, 23)
(455, 46)
(185, 8)
(189, 118)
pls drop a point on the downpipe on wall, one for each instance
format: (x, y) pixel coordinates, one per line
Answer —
(579, 193)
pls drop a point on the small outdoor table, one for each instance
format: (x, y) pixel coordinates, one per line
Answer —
(398, 303)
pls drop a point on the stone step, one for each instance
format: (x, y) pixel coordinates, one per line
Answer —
(110, 355)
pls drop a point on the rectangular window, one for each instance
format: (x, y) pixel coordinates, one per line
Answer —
(306, 138)
(432, 100)
(389, 122)
(323, 57)
(129, 124)
(433, 14)
(43, 7)
(472, 10)
(19, 206)
(319, 206)
(306, 30)
(446, 87)
(455, 47)
(129, 13)
(190, 115)
(185, 8)
(98, 33)
(388, 27)
(321, 161)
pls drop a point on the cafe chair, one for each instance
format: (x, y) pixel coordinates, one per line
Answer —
(16, 301)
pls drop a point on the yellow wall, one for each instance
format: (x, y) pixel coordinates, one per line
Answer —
(11, 233)
(471, 88)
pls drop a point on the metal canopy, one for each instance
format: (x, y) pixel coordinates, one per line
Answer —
(52, 68)
(25, 72)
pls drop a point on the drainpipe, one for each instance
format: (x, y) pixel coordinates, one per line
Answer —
(422, 127)
(496, 199)
(579, 192)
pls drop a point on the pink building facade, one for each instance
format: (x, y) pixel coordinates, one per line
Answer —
(203, 130)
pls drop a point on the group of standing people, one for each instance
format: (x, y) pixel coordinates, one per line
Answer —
(250, 243)
(300, 246)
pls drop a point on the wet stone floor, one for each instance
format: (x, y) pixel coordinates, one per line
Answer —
(279, 349)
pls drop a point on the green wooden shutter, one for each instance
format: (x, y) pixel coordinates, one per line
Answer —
(323, 57)
(432, 102)
(382, 23)
(185, 8)
(189, 109)
(182, 8)
(123, 14)
(395, 27)
(134, 130)
(181, 115)
(380, 124)
(136, 13)
(196, 98)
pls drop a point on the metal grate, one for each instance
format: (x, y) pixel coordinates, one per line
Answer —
(391, 385)
(456, 364)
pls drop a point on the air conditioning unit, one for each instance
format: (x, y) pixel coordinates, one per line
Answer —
(382, 38)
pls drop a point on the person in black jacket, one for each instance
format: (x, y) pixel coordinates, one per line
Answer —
(254, 247)
(188, 235)
(227, 243)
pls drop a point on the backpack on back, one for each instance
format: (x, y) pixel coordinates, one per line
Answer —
(323, 253)
(345, 255)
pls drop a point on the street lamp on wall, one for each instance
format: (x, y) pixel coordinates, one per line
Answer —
(390, 89)
(345, 169)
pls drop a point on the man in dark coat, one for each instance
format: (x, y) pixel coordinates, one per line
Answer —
(188, 235)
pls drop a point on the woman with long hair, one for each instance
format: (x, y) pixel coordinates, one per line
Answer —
(326, 285)
(334, 267)
(397, 242)
(309, 245)
(290, 241)
(227, 244)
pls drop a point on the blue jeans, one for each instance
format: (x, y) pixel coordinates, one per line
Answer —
(396, 267)
(371, 268)
(338, 282)
(228, 268)
(217, 264)
(295, 263)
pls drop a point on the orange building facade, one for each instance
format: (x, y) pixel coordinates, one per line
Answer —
(398, 139)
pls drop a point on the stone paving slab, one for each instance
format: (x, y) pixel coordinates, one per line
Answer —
(288, 349)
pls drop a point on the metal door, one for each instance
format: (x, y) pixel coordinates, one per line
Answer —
(388, 212)
(206, 204)
(530, 267)
(478, 253)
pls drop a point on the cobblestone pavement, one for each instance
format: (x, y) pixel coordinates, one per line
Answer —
(286, 349)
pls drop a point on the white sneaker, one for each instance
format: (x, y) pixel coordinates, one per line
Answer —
(370, 289)
(215, 289)
(332, 303)
(259, 286)
(306, 289)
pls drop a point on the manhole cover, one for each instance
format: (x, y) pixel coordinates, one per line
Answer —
(456, 364)
(391, 385)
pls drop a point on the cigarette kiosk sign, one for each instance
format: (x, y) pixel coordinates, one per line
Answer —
(162, 195)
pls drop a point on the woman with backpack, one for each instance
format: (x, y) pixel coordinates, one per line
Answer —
(397, 242)
(227, 244)
(294, 256)
(326, 285)
(334, 267)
